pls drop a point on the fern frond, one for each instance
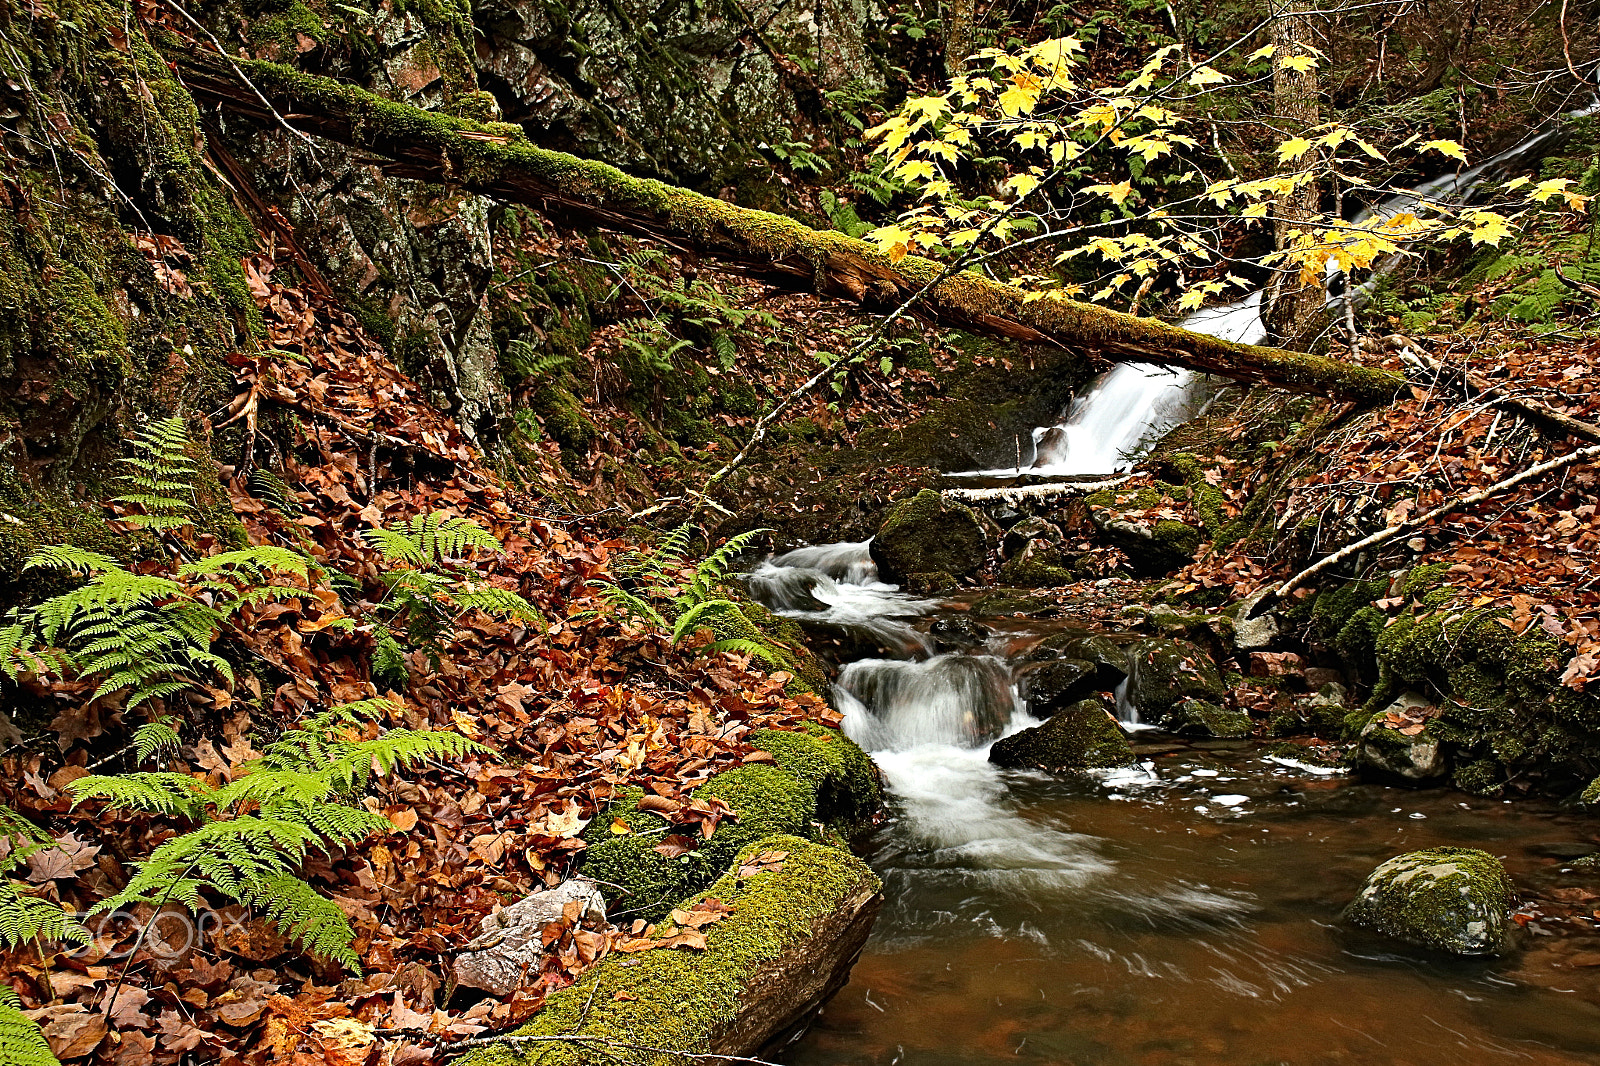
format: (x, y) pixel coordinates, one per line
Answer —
(699, 614)
(14, 826)
(753, 648)
(174, 795)
(70, 557)
(22, 1042)
(25, 918)
(496, 601)
(426, 540)
(629, 605)
(715, 566)
(227, 856)
(249, 565)
(389, 659)
(303, 915)
(156, 737)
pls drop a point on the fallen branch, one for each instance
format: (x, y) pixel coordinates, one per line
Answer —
(495, 160)
(1475, 387)
(1013, 494)
(1388, 534)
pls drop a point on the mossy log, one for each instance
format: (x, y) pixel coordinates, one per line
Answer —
(497, 161)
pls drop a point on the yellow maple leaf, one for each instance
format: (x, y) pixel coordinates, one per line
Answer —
(1298, 64)
(1207, 76)
(914, 169)
(1117, 193)
(1264, 52)
(1488, 228)
(1023, 184)
(1449, 148)
(1293, 148)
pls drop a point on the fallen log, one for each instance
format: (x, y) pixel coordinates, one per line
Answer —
(496, 160)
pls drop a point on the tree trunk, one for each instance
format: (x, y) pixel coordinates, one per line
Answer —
(959, 15)
(1293, 302)
(497, 161)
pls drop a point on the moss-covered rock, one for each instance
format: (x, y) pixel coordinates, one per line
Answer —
(1200, 718)
(1039, 565)
(1164, 673)
(820, 783)
(1081, 736)
(928, 534)
(789, 941)
(1109, 657)
(1392, 752)
(1454, 900)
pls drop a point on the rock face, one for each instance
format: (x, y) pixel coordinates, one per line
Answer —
(1164, 673)
(929, 534)
(508, 945)
(682, 90)
(1081, 736)
(1200, 718)
(1054, 685)
(1448, 899)
(1407, 753)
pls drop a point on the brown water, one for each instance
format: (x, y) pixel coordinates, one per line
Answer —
(1181, 914)
(1036, 920)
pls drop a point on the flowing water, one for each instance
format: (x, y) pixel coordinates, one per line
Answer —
(1183, 912)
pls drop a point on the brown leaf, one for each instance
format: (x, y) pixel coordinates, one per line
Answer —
(72, 1029)
(62, 862)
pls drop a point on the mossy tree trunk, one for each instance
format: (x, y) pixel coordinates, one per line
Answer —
(496, 160)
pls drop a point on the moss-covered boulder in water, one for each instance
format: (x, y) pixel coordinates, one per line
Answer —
(843, 778)
(1200, 718)
(929, 534)
(1164, 673)
(1449, 899)
(795, 929)
(1078, 737)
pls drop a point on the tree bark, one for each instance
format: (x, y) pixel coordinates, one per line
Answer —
(1294, 303)
(497, 161)
(959, 15)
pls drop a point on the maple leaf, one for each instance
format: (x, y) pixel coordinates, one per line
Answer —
(1293, 148)
(1449, 148)
(63, 861)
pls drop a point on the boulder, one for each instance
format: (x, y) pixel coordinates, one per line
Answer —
(508, 945)
(1029, 529)
(957, 632)
(1200, 718)
(1080, 736)
(1396, 743)
(928, 534)
(1110, 658)
(799, 914)
(1053, 685)
(1039, 565)
(1164, 673)
(1449, 899)
(1253, 632)
(1152, 548)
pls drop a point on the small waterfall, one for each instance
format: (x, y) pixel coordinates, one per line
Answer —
(954, 699)
(848, 561)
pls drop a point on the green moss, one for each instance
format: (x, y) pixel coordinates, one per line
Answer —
(1203, 718)
(679, 999)
(841, 775)
(1206, 498)
(1079, 736)
(928, 534)
(1448, 899)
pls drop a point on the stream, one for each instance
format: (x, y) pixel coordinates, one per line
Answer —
(1182, 911)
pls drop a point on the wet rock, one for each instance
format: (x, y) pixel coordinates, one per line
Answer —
(1050, 447)
(928, 534)
(508, 945)
(957, 632)
(1038, 565)
(1054, 685)
(1164, 673)
(1449, 899)
(1110, 658)
(930, 584)
(1152, 548)
(1026, 531)
(1252, 632)
(1411, 757)
(1200, 718)
(1080, 736)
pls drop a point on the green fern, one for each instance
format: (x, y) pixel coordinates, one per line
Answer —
(300, 796)
(161, 476)
(427, 540)
(22, 1043)
(696, 604)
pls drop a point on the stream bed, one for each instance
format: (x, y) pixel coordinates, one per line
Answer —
(1183, 911)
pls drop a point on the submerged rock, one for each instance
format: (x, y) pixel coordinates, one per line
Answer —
(1081, 736)
(1448, 899)
(1164, 673)
(1053, 685)
(1201, 718)
(509, 942)
(1396, 743)
(928, 534)
(956, 632)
